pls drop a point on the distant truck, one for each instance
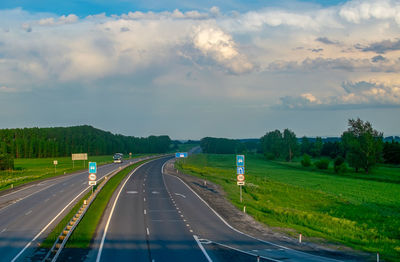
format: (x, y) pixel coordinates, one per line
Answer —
(118, 158)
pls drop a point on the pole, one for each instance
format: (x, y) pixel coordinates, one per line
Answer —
(55, 169)
(241, 200)
(92, 189)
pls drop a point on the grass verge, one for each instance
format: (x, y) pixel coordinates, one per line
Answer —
(357, 212)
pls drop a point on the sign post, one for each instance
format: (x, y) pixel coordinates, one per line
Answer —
(240, 173)
(130, 155)
(82, 156)
(92, 174)
(55, 162)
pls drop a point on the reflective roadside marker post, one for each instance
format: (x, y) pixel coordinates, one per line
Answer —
(55, 162)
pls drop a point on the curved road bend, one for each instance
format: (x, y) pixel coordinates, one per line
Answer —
(28, 214)
(158, 218)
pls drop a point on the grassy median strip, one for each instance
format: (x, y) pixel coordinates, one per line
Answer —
(52, 237)
(360, 213)
(84, 232)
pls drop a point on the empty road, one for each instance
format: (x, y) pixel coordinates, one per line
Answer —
(28, 214)
(157, 217)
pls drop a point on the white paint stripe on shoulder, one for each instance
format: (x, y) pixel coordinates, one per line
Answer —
(240, 232)
(202, 248)
(51, 222)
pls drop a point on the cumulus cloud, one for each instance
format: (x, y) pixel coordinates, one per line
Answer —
(358, 11)
(361, 94)
(221, 47)
(58, 21)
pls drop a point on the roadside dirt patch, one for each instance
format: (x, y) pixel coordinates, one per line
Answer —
(216, 198)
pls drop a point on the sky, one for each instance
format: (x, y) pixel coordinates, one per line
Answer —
(190, 69)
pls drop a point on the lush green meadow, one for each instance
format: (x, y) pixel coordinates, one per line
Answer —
(30, 169)
(358, 210)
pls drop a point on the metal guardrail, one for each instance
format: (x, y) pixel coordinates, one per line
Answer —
(62, 239)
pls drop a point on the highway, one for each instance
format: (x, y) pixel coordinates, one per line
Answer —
(157, 217)
(28, 214)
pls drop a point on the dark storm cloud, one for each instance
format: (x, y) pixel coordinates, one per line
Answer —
(378, 58)
(380, 47)
(326, 40)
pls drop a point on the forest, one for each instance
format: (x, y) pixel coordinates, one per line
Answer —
(63, 141)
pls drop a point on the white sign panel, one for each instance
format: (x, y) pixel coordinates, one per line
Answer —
(92, 183)
(82, 156)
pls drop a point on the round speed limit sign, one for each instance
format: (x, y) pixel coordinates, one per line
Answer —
(92, 177)
(240, 178)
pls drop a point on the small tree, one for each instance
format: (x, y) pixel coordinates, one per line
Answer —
(322, 163)
(6, 162)
(290, 145)
(363, 145)
(339, 165)
(306, 161)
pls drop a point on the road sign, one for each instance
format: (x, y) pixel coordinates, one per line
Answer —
(240, 170)
(55, 162)
(239, 160)
(92, 183)
(92, 168)
(240, 183)
(181, 154)
(82, 156)
(240, 178)
(92, 177)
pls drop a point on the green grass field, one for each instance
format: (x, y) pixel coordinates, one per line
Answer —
(28, 170)
(359, 210)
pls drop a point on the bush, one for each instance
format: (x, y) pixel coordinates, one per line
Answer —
(322, 164)
(6, 162)
(339, 165)
(270, 156)
(306, 161)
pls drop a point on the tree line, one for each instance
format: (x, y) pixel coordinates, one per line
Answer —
(360, 146)
(212, 145)
(63, 141)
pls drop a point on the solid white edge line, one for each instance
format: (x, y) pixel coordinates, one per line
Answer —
(27, 245)
(112, 212)
(246, 252)
(202, 248)
(234, 229)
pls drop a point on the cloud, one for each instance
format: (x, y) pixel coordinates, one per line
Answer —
(359, 11)
(69, 19)
(381, 47)
(220, 46)
(5, 89)
(361, 94)
(378, 58)
(326, 40)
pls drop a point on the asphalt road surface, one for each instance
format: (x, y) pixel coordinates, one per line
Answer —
(28, 214)
(157, 217)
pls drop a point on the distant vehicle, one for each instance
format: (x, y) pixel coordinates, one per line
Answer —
(118, 158)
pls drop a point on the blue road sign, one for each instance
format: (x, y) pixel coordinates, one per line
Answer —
(178, 155)
(92, 168)
(239, 160)
(240, 170)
